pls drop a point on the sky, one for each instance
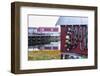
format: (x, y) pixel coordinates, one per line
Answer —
(51, 21)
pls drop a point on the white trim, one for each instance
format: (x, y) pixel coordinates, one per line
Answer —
(25, 64)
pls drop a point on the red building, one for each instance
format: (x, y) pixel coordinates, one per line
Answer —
(74, 39)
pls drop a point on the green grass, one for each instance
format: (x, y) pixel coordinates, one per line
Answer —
(44, 55)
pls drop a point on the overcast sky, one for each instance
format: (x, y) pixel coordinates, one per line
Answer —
(51, 21)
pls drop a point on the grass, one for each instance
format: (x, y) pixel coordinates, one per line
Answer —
(44, 55)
